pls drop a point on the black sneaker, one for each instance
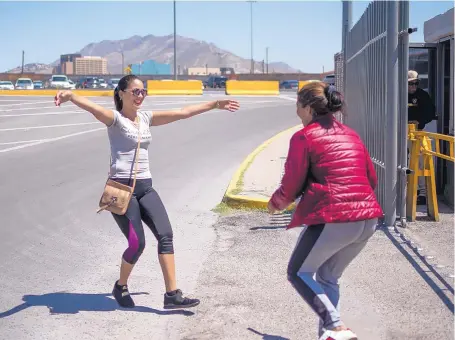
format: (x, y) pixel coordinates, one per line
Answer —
(421, 200)
(178, 301)
(122, 296)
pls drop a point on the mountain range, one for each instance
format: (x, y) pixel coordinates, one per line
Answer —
(190, 53)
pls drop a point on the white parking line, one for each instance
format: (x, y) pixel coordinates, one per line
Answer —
(47, 126)
(49, 140)
(110, 103)
(22, 142)
(146, 107)
(288, 98)
(25, 103)
(43, 114)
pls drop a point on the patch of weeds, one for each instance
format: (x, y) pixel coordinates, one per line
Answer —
(223, 209)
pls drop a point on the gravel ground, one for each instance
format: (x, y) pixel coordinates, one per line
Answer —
(387, 293)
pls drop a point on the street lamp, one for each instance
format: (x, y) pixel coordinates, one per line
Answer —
(251, 22)
(123, 64)
(175, 43)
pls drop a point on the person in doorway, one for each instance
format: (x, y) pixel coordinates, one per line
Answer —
(421, 111)
(330, 168)
(124, 124)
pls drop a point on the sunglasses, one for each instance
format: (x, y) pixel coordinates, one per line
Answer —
(413, 83)
(137, 92)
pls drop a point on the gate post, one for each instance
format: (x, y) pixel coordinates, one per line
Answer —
(391, 127)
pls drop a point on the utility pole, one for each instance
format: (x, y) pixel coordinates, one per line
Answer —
(267, 60)
(175, 42)
(251, 22)
(23, 54)
(346, 27)
(123, 64)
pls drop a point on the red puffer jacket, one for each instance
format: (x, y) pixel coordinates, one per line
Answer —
(328, 165)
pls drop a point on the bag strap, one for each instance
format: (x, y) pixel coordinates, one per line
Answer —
(137, 150)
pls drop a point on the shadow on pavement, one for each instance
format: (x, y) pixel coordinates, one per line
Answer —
(267, 336)
(73, 303)
(402, 245)
(278, 221)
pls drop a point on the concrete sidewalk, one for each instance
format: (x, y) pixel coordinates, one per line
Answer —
(390, 292)
(263, 176)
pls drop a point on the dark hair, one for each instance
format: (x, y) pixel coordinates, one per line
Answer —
(122, 86)
(321, 97)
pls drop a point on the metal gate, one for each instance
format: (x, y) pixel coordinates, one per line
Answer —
(375, 89)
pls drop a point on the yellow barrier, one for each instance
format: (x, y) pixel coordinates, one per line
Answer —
(250, 87)
(49, 92)
(302, 83)
(421, 146)
(174, 87)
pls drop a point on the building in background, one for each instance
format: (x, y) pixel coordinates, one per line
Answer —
(90, 66)
(202, 71)
(150, 67)
(67, 63)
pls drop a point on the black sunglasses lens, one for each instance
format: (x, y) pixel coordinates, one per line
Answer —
(137, 92)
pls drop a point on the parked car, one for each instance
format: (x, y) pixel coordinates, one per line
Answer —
(103, 83)
(59, 82)
(72, 84)
(329, 79)
(289, 84)
(88, 83)
(6, 85)
(215, 82)
(24, 84)
(112, 83)
(38, 84)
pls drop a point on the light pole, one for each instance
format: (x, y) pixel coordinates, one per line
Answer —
(251, 22)
(123, 64)
(267, 60)
(175, 43)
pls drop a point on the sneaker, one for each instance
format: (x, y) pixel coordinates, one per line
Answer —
(122, 296)
(421, 200)
(340, 335)
(178, 301)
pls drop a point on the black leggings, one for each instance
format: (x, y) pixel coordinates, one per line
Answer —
(145, 205)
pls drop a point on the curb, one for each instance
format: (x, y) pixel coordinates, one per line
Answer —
(241, 201)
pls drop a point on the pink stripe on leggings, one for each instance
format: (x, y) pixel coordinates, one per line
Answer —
(133, 244)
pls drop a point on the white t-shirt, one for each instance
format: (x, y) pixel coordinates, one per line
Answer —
(123, 137)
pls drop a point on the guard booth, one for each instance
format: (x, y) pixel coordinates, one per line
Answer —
(434, 61)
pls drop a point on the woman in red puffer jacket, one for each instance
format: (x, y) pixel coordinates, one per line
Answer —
(328, 165)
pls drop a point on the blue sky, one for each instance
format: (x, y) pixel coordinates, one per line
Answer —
(305, 34)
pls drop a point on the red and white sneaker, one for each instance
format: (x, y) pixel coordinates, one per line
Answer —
(340, 335)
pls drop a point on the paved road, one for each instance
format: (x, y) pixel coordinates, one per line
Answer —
(60, 259)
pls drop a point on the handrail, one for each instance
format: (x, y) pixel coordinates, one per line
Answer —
(421, 146)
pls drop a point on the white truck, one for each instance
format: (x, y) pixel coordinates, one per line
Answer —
(61, 82)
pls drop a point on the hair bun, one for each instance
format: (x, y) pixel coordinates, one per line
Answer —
(334, 98)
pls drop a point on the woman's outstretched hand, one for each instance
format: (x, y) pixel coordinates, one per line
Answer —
(62, 97)
(230, 105)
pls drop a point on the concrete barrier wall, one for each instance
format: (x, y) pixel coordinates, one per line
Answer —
(174, 87)
(246, 87)
(304, 82)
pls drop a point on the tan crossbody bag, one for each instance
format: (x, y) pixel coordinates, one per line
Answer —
(117, 196)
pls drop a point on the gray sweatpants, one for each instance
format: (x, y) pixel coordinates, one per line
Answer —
(322, 253)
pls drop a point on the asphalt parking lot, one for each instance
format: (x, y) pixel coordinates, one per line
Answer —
(27, 120)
